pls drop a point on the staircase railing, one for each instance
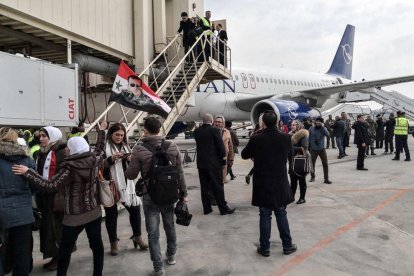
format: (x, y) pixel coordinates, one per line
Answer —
(160, 72)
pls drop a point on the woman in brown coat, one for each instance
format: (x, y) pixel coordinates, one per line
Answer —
(77, 178)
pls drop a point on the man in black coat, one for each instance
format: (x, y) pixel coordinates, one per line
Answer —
(361, 140)
(389, 133)
(211, 157)
(270, 151)
(222, 35)
(379, 138)
(338, 131)
(186, 25)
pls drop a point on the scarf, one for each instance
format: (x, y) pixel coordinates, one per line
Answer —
(54, 135)
(49, 169)
(77, 145)
(126, 188)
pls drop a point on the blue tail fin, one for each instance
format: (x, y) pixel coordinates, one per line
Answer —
(342, 64)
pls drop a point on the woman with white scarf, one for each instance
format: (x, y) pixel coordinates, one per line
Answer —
(118, 155)
(51, 155)
(77, 178)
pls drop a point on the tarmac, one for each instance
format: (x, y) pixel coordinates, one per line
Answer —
(361, 224)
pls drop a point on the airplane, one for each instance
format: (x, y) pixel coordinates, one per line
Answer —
(291, 94)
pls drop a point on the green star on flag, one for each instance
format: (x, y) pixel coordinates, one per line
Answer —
(118, 84)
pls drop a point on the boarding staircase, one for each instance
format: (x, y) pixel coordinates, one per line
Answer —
(351, 109)
(391, 100)
(173, 75)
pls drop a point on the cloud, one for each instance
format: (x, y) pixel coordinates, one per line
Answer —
(305, 35)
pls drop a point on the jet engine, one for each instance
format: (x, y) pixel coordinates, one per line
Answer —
(285, 110)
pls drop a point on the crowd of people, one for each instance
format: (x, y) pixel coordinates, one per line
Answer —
(63, 177)
(193, 27)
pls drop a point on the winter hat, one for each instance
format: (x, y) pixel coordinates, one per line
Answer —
(392, 115)
(77, 145)
(53, 133)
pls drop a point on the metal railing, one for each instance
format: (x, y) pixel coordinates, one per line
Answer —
(169, 62)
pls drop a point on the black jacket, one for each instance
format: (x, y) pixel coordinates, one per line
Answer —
(389, 127)
(338, 128)
(271, 150)
(185, 27)
(361, 133)
(210, 147)
(223, 35)
(380, 129)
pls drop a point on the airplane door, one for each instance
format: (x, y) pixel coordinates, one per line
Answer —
(245, 80)
(252, 81)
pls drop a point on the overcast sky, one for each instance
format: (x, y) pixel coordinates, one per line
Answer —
(304, 35)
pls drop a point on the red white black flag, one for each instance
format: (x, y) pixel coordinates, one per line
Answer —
(130, 91)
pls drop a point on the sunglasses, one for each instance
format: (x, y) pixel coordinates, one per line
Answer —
(134, 84)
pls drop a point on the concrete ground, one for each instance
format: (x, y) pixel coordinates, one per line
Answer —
(362, 224)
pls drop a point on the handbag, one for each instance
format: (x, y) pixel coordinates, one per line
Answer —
(107, 190)
(301, 165)
(58, 203)
(37, 217)
(182, 213)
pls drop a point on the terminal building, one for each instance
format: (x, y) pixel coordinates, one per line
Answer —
(59, 59)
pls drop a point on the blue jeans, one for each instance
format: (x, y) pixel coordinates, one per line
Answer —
(152, 213)
(266, 227)
(340, 144)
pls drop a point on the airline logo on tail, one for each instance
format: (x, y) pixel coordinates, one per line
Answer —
(346, 51)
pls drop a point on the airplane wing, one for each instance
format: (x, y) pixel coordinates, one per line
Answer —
(310, 95)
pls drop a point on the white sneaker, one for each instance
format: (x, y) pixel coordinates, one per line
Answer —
(170, 259)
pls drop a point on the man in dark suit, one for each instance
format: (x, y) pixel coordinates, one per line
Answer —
(362, 140)
(270, 151)
(221, 43)
(211, 158)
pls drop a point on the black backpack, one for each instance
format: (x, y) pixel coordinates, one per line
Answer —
(163, 177)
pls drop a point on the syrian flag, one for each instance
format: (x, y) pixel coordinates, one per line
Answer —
(130, 91)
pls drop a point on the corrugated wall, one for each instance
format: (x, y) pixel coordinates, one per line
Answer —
(109, 22)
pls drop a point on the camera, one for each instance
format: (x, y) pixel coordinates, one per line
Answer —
(139, 187)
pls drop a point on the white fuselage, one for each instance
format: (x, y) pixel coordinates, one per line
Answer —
(219, 97)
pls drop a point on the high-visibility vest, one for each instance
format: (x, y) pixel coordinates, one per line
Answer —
(206, 23)
(76, 134)
(401, 126)
(33, 150)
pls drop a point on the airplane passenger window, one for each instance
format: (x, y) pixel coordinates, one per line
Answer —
(271, 81)
(291, 83)
(283, 81)
(236, 77)
(257, 79)
(262, 79)
(267, 80)
(279, 81)
(301, 83)
(294, 82)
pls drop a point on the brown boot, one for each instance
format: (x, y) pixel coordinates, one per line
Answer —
(138, 241)
(114, 248)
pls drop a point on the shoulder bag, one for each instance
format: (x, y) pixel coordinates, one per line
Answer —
(108, 192)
